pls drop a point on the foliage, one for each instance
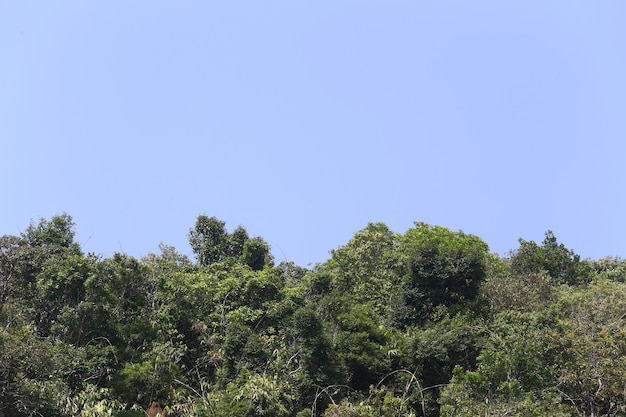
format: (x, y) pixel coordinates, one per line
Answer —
(446, 269)
(506, 289)
(425, 323)
(595, 376)
(516, 374)
(561, 263)
(256, 254)
(209, 240)
(211, 243)
(381, 402)
(369, 268)
(610, 268)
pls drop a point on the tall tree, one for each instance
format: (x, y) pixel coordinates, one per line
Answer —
(209, 240)
(237, 241)
(23, 258)
(369, 268)
(58, 231)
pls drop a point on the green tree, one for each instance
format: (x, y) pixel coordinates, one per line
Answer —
(433, 351)
(10, 264)
(363, 344)
(256, 254)
(209, 240)
(446, 269)
(381, 402)
(61, 284)
(611, 268)
(23, 258)
(237, 241)
(517, 371)
(36, 373)
(58, 231)
(561, 263)
(211, 243)
(369, 268)
(506, 289)
(593, 376)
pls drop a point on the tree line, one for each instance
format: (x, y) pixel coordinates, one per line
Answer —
(422, 323)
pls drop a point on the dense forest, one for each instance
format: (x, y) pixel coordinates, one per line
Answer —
(422, 323)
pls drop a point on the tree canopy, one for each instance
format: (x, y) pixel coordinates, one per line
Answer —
(421, 323)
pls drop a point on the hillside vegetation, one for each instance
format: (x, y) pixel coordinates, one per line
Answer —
(422, 323)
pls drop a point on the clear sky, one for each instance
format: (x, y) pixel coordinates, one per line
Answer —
(305, 120)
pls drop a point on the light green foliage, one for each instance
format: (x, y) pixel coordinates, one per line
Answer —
(124, 284)
(610, 268)
(381, 402)
(150, 376)
(10, 265)
(368, 268)
(34, 373)
(61, 287)
(93, 402)
(255, 396)
(265, 396)
(594, 377)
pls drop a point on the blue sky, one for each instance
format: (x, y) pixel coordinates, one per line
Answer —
(303, 121)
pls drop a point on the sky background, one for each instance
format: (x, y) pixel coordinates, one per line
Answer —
(305, 120)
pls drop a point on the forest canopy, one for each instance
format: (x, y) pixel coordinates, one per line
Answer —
(422, 323)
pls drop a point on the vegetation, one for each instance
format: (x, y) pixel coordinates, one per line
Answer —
(425, 323)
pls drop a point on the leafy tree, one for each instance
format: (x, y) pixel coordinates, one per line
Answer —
(561, 263)
(264, 396)
(292, 273)
(362, 343)
(256, 254)
(611, 268)
(434, 350)
(314, 354)
(33, 373)
(505, 289)
(124, 283)
(236, 242)
(369, 268)
(594, 375)
(150, 378)
(381, 402)
(58, 232)
(23, 258)
(10, 264)
(209, 240)
(211, 243)
(168, 261)
(426, 323)
(446, 268)
(517, 372)
(61, 284)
